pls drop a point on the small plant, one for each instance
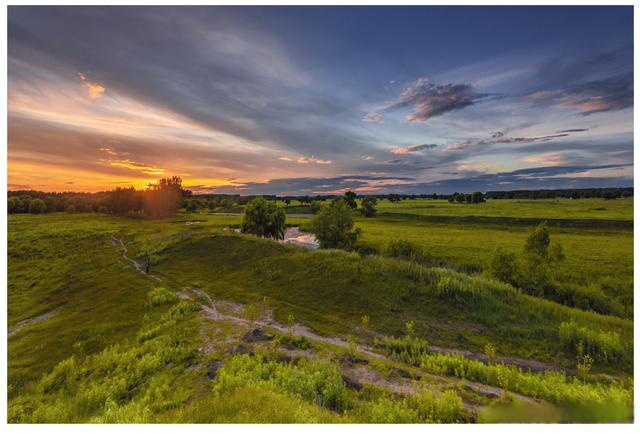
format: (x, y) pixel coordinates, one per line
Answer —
(364, 321)
(251, 313)
(291, 319)
(490, 351)
(585, 363)
(410, 328)
(353, 346)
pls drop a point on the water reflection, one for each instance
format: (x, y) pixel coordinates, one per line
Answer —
(296, 237)
(301, 239)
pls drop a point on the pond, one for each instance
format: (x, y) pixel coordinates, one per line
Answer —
(298, 238)
(305, 240)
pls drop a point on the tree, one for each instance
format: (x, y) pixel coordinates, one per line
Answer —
(503, 266)
(287, 201)
(37, 206)
(315, 206)
(477, 197)
(14, 205)
(264, 219)
(538, 241)
(350, 199)
(333, 226)
(368, 206)
(163, 198)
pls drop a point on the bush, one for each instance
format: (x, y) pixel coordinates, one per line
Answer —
(407, 350)
(604, 347)
(503, 267)
(404, 249)
(314, 381)
(158, 296)
(554, 387)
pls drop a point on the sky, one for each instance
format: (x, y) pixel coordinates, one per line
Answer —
(320, 100)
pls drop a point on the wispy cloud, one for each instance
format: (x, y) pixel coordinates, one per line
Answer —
(305, 160)
(401, 150)
(613, 93)
(548, 159)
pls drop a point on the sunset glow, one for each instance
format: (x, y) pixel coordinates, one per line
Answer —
(234, 98)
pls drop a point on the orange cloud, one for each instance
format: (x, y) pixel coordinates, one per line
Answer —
(548, 159)
(128, 164)
(93, 89)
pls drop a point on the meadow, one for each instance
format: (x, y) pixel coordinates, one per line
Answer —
(94, 340)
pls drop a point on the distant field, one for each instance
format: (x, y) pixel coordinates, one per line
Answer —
(590, 253)
(619, 209)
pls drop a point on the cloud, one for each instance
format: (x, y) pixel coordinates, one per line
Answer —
(548, 159)
(613, 93)
(573, 130)
(429, 100)
(305, 160)
(93, 89)
(532, 178)
(366, 157)
(401, 150)
(373, 116)
(317, 186)
(499, 137)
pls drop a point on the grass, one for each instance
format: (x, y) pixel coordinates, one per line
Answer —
(122, 347)
(590, 209)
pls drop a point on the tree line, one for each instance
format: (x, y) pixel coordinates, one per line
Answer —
(160, 199)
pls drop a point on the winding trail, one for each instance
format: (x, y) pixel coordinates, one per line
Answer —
(138, 266)
(34, 320)
(229, 311)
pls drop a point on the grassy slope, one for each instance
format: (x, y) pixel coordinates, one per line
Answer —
(331, 292)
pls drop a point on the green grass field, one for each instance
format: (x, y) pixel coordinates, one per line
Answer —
(104, 351)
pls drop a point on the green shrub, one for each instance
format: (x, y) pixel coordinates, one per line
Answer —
(404, 249)
(554, 387)
(159, 296)
(604, 347)
(299, 342)
(314, 381)
(408, 349)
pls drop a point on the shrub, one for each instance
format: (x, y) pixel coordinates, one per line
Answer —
(605, 347)
(407, 350)
(159, 296)
(314, 381)
(503, 266)
(404, 249)
(554, 387)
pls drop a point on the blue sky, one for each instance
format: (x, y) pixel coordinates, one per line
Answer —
(316, 100)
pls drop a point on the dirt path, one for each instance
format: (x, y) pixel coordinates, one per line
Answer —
(138, 266)
(232, 312)
(35, 320)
